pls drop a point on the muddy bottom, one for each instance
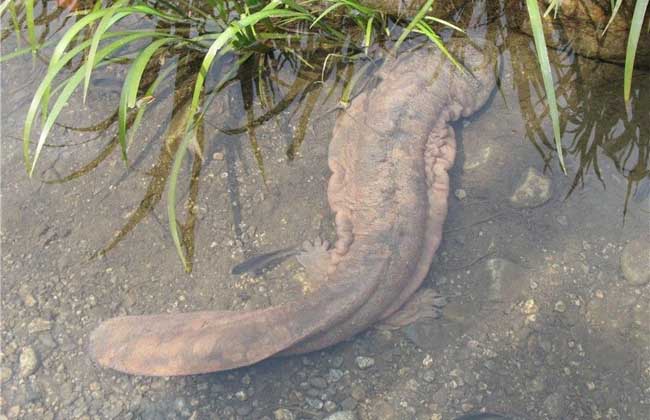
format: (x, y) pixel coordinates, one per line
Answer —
(548, 307)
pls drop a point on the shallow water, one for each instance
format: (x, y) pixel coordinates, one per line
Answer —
(542, 322)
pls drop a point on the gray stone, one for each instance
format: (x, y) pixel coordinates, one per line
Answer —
(554, 405)
(241, 395)
(283, 414)
(348, 404)
(318, 382)
(560, 306)
(334, 375)
(635, 262)
(38, 325)
(337, 361)
(507, 280)
(533, 190)
(364, 362)
(26, 296)
(28, 361)
(5, 374)
(477, 156)
(429, 375)
(314, 403)
(244, 410)
(329, 406)
(342, 415)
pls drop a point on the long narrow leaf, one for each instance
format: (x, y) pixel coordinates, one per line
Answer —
(67, 91)
(632, 43)
(131, 85)
(104, 25)
(547, 75)
(614, 13)
(141, 109)
(416, 19)
(425, 29)
(31, 29)
(218, 47)
(44, 87)
(4, 5)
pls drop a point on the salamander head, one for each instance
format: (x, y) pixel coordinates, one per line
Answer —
(472, 88)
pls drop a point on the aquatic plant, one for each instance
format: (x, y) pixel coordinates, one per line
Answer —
(313, 34)
(537, 27)
(210, 30)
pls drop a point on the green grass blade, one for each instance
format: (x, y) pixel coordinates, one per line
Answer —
(425, 29)
(67, 38)
(368, 36)
(444, 22)
(413, 23)
(67, 91)
(220, 45)
(4, 5)
(325, 13)
(31, 28)
(104, 24)
(141, 109)
(22, 51)
(632, 43)
(615, 8)
(547, 75)
(38, 100)
(129, 94)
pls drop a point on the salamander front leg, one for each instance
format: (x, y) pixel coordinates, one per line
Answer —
(425, 303)
(315, 257)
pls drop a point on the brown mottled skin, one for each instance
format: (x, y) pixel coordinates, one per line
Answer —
(389, 157)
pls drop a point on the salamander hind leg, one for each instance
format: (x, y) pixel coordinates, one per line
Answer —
(425, 303)
(315, 258)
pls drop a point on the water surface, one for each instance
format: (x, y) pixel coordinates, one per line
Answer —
(541, 321)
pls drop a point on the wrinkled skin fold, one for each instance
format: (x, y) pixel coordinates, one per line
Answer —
(389, 157)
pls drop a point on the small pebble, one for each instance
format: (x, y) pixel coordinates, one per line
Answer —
(38, 325)
(348, 404)
(429, 376)
(5, 374)
(559, 306)
(635, 262)
(28, 362)
(427, 361)
(530, 307)
(283, 414)
(342, 415)
(337, 361)
(329, 406)
(13, 412)
(460, 194)
(244, 410)
(314, 403)
(364, 362)
(26, 296)
(318, 382)
(334, 375)
(217, 156)
(533, 190)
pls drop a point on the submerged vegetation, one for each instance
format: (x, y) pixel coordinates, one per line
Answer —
(243, 41)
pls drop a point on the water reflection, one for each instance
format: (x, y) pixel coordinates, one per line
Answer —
(595, 121)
